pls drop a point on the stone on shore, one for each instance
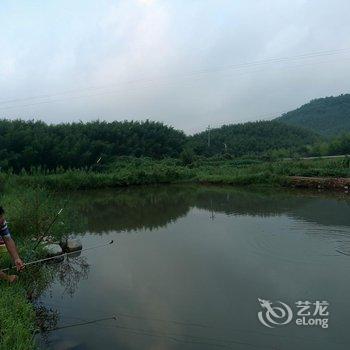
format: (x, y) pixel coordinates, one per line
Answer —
(54, 250)
(73, 245)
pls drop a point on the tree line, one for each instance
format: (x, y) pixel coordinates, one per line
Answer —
(252, 139)
(33, 144)
(28, 144)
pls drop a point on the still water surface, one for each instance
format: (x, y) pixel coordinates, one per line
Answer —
(190, 263)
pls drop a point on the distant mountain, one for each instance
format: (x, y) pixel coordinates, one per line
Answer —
(329, 116)
(253, 138)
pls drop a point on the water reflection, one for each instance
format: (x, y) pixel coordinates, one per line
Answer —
(71, 271)
(68, 274)
(156, 206)
(192, 275)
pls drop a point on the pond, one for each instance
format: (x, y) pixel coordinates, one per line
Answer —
(196, 267)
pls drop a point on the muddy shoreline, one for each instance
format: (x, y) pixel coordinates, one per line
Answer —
(321, 183)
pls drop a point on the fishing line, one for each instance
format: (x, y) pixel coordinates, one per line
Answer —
(163, 320)
(120, 315)
(83, 323)
(61, 255)
(172, 336)
(138, 331)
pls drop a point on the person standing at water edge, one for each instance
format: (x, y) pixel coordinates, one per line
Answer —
(11, 247)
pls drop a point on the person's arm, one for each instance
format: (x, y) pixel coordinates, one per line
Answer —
(12, 249)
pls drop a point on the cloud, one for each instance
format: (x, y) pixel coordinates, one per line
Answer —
(146, 2)
(183, 63)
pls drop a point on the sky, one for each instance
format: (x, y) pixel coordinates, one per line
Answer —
(186, 63)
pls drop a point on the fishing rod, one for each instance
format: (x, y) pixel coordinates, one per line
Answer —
(44, 234)
(47, 229)
(29, 255)
(60, 255)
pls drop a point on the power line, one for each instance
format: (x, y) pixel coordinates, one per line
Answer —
(113, 92)
(234, 67)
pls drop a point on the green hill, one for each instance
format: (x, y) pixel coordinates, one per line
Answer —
(253, 138)
(329, 116)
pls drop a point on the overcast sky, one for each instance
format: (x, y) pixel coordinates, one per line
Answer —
(187, 63)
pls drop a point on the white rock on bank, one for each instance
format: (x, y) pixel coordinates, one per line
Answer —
(53, 250)
(73, 245)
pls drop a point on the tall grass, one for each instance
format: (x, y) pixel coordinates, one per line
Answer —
(124, 176)
(29, 212)
(17, 319)
(140, 172)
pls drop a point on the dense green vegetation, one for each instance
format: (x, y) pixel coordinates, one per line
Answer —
(321, 127)
(336, 146)
(255, 138)
(26, 145)
(217, 170)
(17, 319)
(28, 210)
(316, 129)
(329, 116)
(33, 144)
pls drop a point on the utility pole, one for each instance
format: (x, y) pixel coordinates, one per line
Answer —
(208, 135)
(212, 216)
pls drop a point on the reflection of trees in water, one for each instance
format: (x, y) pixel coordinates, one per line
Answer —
(152, 207)
(243, 202)
(325, 209)
(71, 271)
(133, 208)
(68, 273)
(47, 319)
(36, 280)
(321, 208)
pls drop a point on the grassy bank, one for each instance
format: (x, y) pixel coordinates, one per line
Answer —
(28, 211)
(17, 319)
(216, 171)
